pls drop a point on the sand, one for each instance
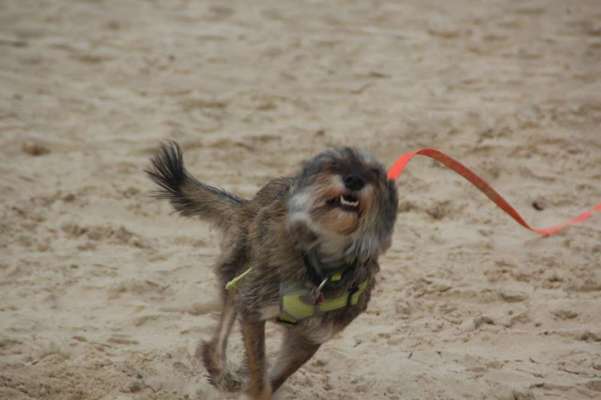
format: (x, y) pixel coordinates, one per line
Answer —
(105, 294)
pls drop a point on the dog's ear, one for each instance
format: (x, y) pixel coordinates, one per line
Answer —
(302, 234)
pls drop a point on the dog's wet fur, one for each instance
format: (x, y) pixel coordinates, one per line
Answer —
(340, 207)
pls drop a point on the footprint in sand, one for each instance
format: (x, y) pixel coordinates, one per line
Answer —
(123, 340)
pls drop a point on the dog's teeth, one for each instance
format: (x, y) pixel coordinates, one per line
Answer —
(345, 202)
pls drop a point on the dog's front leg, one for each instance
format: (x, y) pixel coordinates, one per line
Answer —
(253, 334)
(295, 351)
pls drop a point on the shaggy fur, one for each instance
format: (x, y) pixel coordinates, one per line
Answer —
(339, 209)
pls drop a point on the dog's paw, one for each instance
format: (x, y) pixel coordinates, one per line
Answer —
(205, 353)
(217, 373)
(230, 381)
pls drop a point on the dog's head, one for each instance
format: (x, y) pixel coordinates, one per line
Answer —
(343, 202)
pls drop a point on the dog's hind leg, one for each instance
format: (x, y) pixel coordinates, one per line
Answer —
(295, 351)
(213, 353)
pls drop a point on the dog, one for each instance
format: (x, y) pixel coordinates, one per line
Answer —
(303, 252)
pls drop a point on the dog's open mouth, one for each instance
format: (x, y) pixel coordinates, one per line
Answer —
(347, 202)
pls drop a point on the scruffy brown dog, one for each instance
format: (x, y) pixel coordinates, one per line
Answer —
(303, 252)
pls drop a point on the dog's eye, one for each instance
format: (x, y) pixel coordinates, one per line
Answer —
(375, 172)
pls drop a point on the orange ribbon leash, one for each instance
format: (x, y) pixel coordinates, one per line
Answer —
(399, 165)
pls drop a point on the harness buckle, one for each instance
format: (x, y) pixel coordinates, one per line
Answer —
(316, 293)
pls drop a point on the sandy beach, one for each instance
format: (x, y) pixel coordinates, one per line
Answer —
(105, 294)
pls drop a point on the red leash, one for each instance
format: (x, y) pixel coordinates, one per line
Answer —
(399, 165)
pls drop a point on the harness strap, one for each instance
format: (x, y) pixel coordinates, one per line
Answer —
(296, 306)
(234, 282)
(317, 272)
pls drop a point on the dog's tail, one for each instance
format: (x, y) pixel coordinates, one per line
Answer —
(187, 195)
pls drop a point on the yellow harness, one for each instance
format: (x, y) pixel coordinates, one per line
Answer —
(300, 303)
(297, 302)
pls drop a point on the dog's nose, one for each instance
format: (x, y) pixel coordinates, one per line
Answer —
(353, 182)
